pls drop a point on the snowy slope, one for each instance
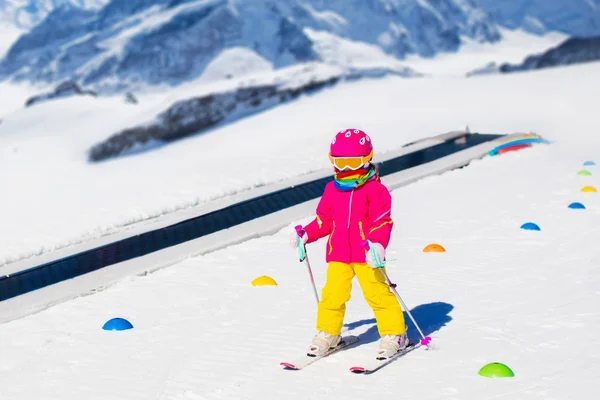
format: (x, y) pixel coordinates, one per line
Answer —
(130, 44)
(498, 294)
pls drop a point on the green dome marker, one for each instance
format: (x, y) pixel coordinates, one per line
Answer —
(584, 172)
(496, 370)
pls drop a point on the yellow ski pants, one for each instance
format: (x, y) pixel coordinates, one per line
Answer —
(336, 292)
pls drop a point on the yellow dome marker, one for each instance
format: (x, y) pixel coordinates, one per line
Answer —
(589, 189)
(264, 281)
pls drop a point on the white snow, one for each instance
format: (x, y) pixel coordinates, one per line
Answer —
(514, 47)
(499, 294)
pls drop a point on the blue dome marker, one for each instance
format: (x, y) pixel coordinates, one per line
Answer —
(577, 206)
(530, 226)
(117, 324)
(589, 163)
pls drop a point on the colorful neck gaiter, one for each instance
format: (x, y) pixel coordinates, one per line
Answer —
(348, 180)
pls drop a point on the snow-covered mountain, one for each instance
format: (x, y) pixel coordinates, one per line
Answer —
(572, 51)
(574, 17)
(135, 42)
(19, 16)
(24, 14)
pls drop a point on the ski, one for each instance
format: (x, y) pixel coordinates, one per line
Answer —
(376, 364)
(307, 360)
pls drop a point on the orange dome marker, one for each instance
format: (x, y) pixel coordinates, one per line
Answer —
(434, 248)
(589, 189)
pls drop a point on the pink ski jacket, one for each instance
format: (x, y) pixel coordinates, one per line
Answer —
(349, 217)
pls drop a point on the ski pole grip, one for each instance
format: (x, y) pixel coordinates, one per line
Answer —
(365, 244)
(299, 230)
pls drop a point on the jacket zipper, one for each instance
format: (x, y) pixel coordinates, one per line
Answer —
(350, 208)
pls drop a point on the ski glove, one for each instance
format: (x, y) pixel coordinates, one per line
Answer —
(375, 256)
(294, 239)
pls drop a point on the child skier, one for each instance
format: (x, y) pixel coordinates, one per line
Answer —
(354, 207)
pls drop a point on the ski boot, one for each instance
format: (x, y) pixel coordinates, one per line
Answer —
(322, 342)
(390, 345)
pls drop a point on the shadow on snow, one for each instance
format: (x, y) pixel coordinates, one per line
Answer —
(431, 317)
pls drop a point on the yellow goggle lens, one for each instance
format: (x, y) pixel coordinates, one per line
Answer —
(348, 162)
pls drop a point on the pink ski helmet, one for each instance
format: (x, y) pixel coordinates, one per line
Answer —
(350, 148)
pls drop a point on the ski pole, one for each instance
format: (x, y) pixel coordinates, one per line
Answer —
(304, 257)
(380, 265)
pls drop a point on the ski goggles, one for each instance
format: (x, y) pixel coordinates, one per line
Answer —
(352, 163)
